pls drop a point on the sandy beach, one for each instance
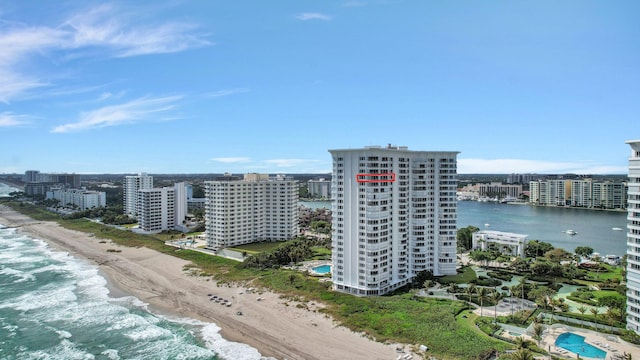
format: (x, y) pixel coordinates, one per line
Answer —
(274, 326)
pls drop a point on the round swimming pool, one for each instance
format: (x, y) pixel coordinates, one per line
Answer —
(575, 343)
(322, 269)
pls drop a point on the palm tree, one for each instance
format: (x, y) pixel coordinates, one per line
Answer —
(538, 330)
(594, 311)
(515, 292)
(482, 292)
(521, 343)
(582, 310)
(626, 356)
(427, 284)
(496, 296)
(453, 289)
(469, 290)
(612, 315)
(522, 354)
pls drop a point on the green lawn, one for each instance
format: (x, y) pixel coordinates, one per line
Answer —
(258, 247)
(613, 272)
(321, 253)
(464, 276)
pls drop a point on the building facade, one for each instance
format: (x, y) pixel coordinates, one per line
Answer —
(511, 244)
(180, 205)
(633, 239)
(319, 188)
(130, 189)
(256, 208)
(156, 209)
(499, 190)
(585, 192)
(81, 199)
(162, 209)
(37, 183)
(393, 216)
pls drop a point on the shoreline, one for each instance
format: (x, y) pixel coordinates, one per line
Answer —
(276, 327)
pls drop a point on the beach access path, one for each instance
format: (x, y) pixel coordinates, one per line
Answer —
(274, 326)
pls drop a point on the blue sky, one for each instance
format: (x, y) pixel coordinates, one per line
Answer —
(270, 86)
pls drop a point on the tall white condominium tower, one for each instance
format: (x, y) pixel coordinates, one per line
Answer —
(131, 186)
(633, 239)
(180, 204)
(161, 209)
(156, 209)
(257, 208)
(393, 216)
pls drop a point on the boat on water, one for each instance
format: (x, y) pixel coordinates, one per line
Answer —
(616, 229)
(487, 225)
(570, 232)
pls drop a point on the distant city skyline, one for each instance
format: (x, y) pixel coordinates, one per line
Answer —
(168, 87)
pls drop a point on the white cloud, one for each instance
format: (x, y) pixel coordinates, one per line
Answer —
(130, 112)
(312, 16)
(100, 28)
(106, 26)
(226, 92)
(507, 166)
(17, 42)
(229, 160)
(8, 119)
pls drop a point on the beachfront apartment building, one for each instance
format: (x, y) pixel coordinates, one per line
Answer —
(393, 216)
(586, 193)
(633, 238)
(62, 179)
(81, 199)
(156, 209)
(252, 209)
(130, 189)
(162, 209)
(38, 184)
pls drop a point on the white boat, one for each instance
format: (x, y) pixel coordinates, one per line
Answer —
(616, 229)
(570, 232)
(487, 225)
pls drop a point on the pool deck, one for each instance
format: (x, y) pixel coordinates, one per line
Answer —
(612, 344)
(309, 265)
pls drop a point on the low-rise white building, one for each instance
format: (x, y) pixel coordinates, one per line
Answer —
(82, 199)
(510, 243)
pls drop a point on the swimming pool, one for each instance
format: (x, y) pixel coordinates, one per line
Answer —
(575, 343)
(322, 269)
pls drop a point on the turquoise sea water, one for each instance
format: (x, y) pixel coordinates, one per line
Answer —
(593, 227)
(54, 306)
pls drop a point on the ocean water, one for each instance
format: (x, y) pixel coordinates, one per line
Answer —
(55, 306)
(594, 227)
